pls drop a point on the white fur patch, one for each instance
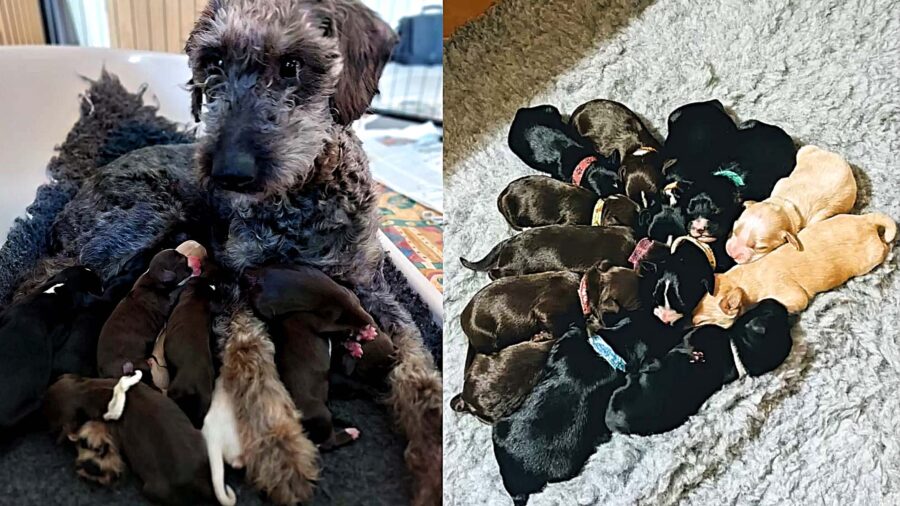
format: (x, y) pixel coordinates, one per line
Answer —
(640, 152)
(53, 288)
(117, 404)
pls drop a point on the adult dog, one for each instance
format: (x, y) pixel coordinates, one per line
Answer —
(279, 177)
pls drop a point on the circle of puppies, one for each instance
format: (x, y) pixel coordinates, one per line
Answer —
(126, 371)
(646, 275)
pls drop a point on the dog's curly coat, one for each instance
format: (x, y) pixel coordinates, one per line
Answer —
(281, 80)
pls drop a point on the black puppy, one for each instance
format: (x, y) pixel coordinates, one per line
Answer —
(763, 154)
(662, 222)
(560, 424)
(539, 136)
(701, 136)
(667, 391)
(537, 201)
(556, 248)
(29, 330)
(711, 206)
(674, 285)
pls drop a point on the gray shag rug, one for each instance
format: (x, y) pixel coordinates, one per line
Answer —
(824, 428)
(36, 471)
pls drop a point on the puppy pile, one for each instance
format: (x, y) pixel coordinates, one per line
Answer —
(128, 373)
(646, 275)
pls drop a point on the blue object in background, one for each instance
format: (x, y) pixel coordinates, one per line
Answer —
(420, 38)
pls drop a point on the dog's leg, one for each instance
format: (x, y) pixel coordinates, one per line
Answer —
(415, 397)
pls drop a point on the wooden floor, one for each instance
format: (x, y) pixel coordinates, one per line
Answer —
(459, 12)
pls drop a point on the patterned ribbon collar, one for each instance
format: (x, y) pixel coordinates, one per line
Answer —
(582, 166)
(710, 256)
(606, 353)
(640, 251)
(741, 370)
(598, 213)
(583, 296)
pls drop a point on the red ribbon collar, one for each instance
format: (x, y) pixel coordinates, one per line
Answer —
(583, 296)
(582, 166)
(640, 251)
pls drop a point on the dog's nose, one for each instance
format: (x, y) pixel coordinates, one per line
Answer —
(234, 169)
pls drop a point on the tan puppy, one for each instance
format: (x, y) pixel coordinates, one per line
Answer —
(820, 186)
(834, 251)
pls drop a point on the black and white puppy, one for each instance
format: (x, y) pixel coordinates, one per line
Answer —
(674, 285)
(667, 391)
(539, 136)
(29, 331)
(561, 422)
(711, 206)
(701, 136)
(662, 222)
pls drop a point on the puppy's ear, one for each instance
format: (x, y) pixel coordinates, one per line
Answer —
(732, 302)
(709, 282)
(792, 238)
(748, 203)
(196, 100)
(366, 43)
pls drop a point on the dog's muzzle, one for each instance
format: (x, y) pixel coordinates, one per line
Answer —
(234, 169)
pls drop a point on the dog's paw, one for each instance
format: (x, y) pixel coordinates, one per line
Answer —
(354, 348)
(367, 334)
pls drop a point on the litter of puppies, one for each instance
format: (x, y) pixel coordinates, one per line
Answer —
(646, 275)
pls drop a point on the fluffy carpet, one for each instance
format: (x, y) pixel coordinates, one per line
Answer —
(822, 428)
(34, 470)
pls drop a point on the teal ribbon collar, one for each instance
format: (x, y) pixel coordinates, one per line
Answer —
(733, 176)
(606, 353)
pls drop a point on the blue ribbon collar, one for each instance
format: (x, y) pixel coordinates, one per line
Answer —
(606, 352)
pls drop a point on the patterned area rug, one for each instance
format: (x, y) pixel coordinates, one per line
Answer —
(417, 231)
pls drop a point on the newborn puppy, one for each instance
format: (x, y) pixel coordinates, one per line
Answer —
(675, 285)
(30, 330)
(162, 447)
(537, 201)
(542, 140)
(129, 334)
(187, 352)
(556, 248)
(618, 211)
(701, 136)
(662, 222)
(561, 421)
(99, 459)
(512, 310)
(641, 176)
(496, 384)
(611, 127)
(763, 154)
(666, 392)
(822, 185)
(834, 251)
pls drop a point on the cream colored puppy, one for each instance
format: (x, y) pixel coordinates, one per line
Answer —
(820, 186)
(223, 443)
(834, 251)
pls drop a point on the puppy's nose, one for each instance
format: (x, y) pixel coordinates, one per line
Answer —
(234, 169)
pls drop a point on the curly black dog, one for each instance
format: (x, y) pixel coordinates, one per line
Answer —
(539, 136)
(667, 391)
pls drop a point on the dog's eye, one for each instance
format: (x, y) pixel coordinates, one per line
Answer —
(213, 65)
(290, 67)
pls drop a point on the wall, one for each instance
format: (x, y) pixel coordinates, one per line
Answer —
(20, 22)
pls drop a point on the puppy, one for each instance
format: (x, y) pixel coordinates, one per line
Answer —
(99, 458)
(662, 222)
(641, 176)
(129, 334)
(162, 447)
(187, 351)
(835, 250)
(539, 136)
(701, 137)
(676, 284)
(496, 384)
(666, 392)
(711, 206)
(537, 201)
(561, 421)
(512, 310)
(763, 154)
(611, 127)
(223, 443)
(556, 248)
(618, 211)
(821, 185)
(30, 330)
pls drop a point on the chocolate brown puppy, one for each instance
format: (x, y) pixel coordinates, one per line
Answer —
(127, 338)
(610, 126)
(521, 308)
(556, 248)
(496, 384)
(161, 446)
(641, 176)
(619, 211)
(537, 201)
(187, 351)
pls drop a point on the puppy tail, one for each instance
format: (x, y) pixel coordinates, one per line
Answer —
(224, 493)
(888, 227)
(488, 262)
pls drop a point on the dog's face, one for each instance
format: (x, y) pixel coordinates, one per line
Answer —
(761, 228)
(641, 177)
(98, 457)
(601, 180)
(612, 291)
(619, 210)
(711, 210)
(276, 77)
(75, 283)
(679, 283)
(722, 308)
(169, 268)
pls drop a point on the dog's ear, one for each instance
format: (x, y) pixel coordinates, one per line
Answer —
(732, 302)
(196, 100)
(792, 239)
(748, 203)
(366, 43)
(709, 282)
